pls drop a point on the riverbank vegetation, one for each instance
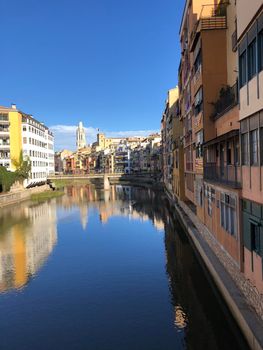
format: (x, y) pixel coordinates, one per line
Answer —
(61, 183)
(22, 172)
(43, 196)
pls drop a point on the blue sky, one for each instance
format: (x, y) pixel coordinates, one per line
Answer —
(108, 63)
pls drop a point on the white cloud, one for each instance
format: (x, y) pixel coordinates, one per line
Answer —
(65, 135)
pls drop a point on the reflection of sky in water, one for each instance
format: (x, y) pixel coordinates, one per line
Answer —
(122, 276)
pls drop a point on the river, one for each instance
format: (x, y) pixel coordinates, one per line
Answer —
(109, 270)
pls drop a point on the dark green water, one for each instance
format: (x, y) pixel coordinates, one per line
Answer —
(105, 271)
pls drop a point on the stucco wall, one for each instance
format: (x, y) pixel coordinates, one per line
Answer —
(254, 276)
(250, 102)
(246, 11)
(252, 189)
(11, 198)
(15, 120)
(228, 122)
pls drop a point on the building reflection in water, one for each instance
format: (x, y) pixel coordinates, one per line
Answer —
(191, 295)
(28, 235)
(119, 201)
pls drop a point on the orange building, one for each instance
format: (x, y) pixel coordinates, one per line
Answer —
(209, 110)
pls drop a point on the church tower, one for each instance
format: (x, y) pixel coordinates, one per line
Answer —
(80, 136)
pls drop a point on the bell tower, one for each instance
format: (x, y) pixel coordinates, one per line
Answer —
(80, 136)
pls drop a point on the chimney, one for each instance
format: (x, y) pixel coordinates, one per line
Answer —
(13, 106)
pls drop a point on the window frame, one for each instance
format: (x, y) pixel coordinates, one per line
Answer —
(252, 59)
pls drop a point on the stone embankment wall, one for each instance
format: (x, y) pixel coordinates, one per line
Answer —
(242, 298)
(18, 196)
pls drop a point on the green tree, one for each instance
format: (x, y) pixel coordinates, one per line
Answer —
(23, 167)
(7, 178)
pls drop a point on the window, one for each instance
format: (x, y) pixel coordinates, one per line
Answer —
(252, 61)
(229, 154)
(24, 140)
(228, 213)
(236, 153)
(243, 69)
(199, 192)
(199, 144)
(255, 237)
(198, 62)
(176, 158)
(254, 147)
(244, 149)
(198, 103)
(260, 51)
(209, 201)
(4, 117)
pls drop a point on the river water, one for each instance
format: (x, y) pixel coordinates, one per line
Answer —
(105, 271)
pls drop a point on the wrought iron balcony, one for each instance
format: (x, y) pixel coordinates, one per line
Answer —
(229, 175)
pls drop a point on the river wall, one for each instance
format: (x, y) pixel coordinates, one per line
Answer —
(18, 196)
(243, 300)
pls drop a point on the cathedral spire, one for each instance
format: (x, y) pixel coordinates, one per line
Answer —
(80, 136)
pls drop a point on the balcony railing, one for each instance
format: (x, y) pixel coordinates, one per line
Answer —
(4, 147)
(229, 175)
(228, 98)
(213, 16)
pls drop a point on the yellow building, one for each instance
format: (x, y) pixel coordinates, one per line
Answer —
(104, 142)
(28, 236)
(178, 182)
(10, 136)
(167, 136)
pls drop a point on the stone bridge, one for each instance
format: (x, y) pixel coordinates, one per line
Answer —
(107, 178)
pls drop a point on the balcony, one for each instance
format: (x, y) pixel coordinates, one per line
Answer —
(4, 147)
(4, 155)
(228, 98)
(4, 119)
(213, 17)
(229, 175)
(4, 131)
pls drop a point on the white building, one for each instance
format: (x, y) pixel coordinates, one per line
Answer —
(38, 145)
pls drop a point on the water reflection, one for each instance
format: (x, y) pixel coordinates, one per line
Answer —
(199, 315)
(28, 235)
(158, 299)
(119, 201)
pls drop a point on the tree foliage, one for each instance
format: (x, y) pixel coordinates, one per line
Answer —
(22, 172)
(7, 178)
(23, 167)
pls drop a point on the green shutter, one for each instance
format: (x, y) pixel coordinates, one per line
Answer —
(256, 209)
(246, 231)
(261, 240)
